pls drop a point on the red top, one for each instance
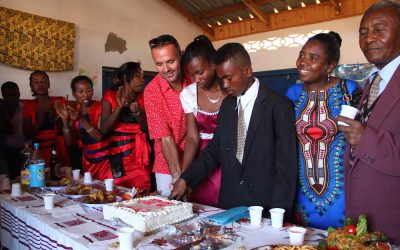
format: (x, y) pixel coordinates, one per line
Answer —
(165, 117)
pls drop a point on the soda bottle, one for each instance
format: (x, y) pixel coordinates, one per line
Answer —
(36, 171)
(26, 156)
(54, 165)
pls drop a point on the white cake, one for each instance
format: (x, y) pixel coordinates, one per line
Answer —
(149, 213)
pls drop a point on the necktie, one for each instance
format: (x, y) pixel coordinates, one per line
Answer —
(374, 91)
(241, 133)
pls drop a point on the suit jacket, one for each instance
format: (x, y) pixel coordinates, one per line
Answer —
(373, 183)
(268, 173)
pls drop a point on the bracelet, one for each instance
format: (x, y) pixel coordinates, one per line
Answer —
(66, 130)
(90, 130)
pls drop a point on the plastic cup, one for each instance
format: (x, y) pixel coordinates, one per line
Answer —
(109, 184)
(125, 237)
(48, 201)
(255, 215)
(75, 174)
(296, 235)
(349, 112)
(16, 189)
(87, 178)
(277, 217)
(5, 184)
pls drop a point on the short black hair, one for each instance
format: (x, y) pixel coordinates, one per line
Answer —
(163, 40)
(8, 85)
(80, 78)
(200, 47)
(232, 50)
(383, 4)
(332, 42)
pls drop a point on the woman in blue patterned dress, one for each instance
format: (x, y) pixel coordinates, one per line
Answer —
(317, 102)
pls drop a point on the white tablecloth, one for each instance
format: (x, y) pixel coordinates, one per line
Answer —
(25, 224)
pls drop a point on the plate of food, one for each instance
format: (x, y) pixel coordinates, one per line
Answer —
(97, 198)
(355, 237)
(59, 184)
(76, 191)
(285, 247)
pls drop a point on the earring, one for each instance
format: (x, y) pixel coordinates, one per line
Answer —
(329, 77)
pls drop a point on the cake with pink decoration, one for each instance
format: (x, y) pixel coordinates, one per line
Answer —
(148, 213)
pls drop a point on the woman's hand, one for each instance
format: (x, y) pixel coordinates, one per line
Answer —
(122, 100)
(75, 114)
(61, 110)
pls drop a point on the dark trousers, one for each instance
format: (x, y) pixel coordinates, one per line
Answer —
(13, 159)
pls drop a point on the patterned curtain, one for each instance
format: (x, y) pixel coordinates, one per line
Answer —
(36, 43)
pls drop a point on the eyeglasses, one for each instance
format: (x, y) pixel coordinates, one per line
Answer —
(162, 40)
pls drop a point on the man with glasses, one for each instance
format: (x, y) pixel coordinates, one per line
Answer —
(165, 116)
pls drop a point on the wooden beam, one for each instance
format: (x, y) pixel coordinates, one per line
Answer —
(229, 9)
(259, 12)
(297, 17)
(191, 18)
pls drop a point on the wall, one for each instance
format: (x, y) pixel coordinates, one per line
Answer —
(285, 57)
(136, 21)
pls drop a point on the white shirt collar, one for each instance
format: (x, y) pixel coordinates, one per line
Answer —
(249, 95)
(386, 73)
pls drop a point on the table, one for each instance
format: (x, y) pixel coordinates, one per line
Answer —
(25, 224)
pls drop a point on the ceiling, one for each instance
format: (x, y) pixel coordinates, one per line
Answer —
(212, 16)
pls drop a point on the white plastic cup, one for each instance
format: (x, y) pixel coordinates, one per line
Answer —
(277, 217)
(125, 237)
(109, 184)
(5, 184)
(255, 215)
(75, 174)
(16, 189)
(296, 235)
(87, 178)
(48, 201)
(349, 112)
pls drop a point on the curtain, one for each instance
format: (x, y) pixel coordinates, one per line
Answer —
(33, 42)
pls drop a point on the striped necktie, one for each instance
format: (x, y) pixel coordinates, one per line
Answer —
(374, 90)
(241, 133)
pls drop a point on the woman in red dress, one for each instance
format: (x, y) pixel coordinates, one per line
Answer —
(81, 126)
(124, 120)
(39, 119)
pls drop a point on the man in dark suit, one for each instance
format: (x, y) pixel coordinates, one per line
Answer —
(264, 171)
(372, 161)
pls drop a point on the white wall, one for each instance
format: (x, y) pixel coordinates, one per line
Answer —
(285, 57)
(136, 21)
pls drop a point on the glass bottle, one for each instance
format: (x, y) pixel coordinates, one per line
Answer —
(26, 156)
(54, 164)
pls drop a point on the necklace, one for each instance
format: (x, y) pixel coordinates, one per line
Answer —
(213, 100)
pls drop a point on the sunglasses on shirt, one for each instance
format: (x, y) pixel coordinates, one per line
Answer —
(162, 40)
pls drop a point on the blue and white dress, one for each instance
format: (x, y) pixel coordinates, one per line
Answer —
(320, 200)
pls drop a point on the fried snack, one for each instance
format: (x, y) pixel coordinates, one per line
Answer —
(341, 240)
(289, 247)
(65, 181)
(99, 197)
(79, 189)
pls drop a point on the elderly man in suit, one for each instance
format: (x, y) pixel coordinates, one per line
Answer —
(372, 162)
(254, 141)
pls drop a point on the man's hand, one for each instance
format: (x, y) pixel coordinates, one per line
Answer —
(353, 132)
(179, 190)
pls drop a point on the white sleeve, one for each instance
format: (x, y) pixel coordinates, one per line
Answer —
(188, 98)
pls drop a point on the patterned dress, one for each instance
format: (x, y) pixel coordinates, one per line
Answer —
(94, 153)
(207, 191)
(320, 198)
(129, 149)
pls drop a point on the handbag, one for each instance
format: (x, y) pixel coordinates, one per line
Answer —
(351, 99)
